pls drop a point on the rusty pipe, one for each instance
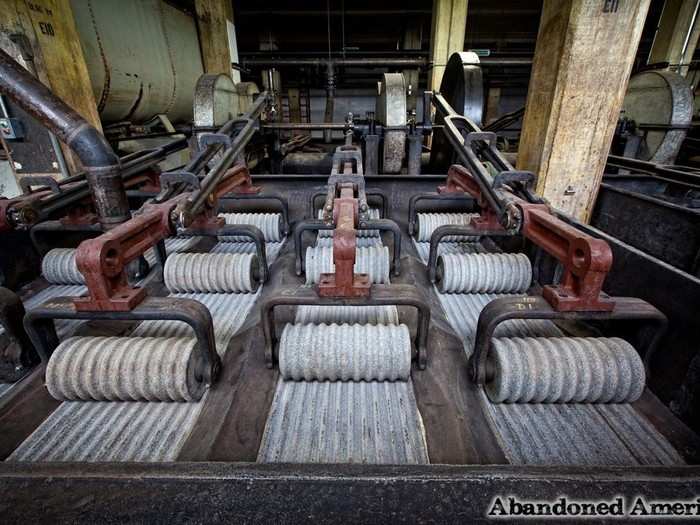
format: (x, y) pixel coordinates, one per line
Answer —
(101, 163)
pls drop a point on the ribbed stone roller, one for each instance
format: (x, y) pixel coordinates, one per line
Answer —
(373, 260)
(373, 214)
(345, 352)
(125, 369)
(483, 273)
(347, 315)
(564, 370)
(268, 223)
(212, 272)
(58, 267)
(429, 222)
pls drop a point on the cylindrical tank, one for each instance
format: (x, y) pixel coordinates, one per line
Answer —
(143, 57)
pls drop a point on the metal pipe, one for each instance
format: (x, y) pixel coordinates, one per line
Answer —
(363, 61)
(98, 158)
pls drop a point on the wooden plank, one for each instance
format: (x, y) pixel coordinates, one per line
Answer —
(213, 18)
(447, 35)
(583, 58)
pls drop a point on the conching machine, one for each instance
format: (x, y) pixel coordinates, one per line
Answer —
(371, 343)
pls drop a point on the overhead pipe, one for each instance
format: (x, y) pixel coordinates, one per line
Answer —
(101, 164)
(360, 61)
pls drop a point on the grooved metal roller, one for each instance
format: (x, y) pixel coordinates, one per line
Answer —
(429, 222)
(125, 369)
(212, 272)
(564, 370)
(58, 267)
(483, 273)
(270, 224)
(345, 352)
(373, 214)
(373, 260)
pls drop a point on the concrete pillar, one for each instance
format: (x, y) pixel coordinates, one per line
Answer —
(217, 36)
(446, 35)
(583, 58)
(677, 35)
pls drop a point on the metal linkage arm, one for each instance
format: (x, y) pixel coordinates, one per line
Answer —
(211, 182)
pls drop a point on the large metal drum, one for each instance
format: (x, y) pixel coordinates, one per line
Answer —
(143, 58)
(660, 98)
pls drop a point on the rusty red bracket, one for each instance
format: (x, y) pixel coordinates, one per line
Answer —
(103, 260)
(585, 259)
(344, 282)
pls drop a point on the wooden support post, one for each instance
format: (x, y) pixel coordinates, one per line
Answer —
(446, 36)
(412, 41)
(677, 35)
(493, 102)
(216, 35)
(58, 60)
(583, 58)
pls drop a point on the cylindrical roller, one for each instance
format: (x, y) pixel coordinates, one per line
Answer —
(58, 267)
(565, 370)
(373, 215)
(125, 369)
(429, 222)
(360, 242)
(212, 272)
(347, 315)
(483, 273)
(373, 261)
(270, 224)
(345, 352)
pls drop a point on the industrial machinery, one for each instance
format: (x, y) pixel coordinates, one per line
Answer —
(401, 346)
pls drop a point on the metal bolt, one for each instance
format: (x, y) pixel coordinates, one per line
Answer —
(569, 190)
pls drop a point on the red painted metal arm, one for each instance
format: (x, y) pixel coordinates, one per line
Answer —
(344, 282)
(585, 259)
(103, 260)
(459, 180)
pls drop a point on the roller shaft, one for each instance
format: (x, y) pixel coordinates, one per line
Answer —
(345, 352)
(267, 223)
(484, 273)
(347, 315)
(564, 370)
(212, 272)
(429, 222)
(125, 369)
(58, 267)
(373, 261)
